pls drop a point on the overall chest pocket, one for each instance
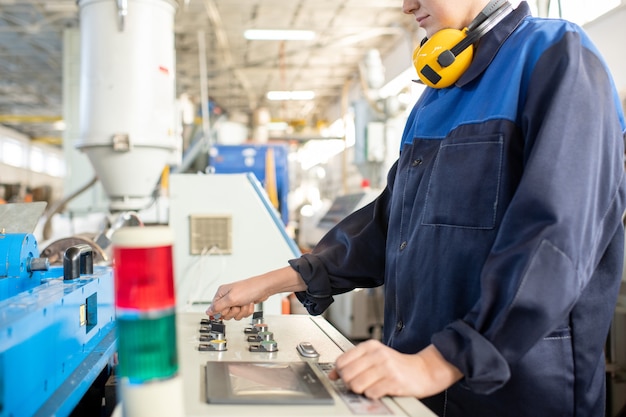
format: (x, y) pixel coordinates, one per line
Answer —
(464, 184)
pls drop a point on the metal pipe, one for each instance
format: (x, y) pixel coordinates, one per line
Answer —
(77, 260)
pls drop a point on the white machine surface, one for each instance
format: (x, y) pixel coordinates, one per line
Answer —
(287, 332)
(225, 230)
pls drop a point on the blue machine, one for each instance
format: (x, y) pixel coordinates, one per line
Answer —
(57, 326)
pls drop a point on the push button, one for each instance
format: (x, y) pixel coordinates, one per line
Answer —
(265, 346)
(213, 346)
(259, 337)
(259, 327)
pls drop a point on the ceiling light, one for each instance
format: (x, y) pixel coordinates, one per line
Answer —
(59, 125)
(277, 126)
(279, 35)
(290, 95)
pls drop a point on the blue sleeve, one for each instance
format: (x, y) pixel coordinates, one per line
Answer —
(351, 255)
(564, 215)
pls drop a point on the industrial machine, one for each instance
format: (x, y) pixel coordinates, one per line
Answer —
(225, 229)
(59, 324)
(56, 322)
(270, 366)
(358, 314)
(127, 96)
(314, 227)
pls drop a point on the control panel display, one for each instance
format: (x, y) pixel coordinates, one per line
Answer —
(264, 383)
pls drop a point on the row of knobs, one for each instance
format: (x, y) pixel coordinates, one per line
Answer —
(258, 333)
(213, 335)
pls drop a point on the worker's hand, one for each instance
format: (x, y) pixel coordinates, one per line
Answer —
(236, 300)
(376, 370)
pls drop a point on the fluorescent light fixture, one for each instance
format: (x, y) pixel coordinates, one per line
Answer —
(277, 126)
(279, 35)
(59, 125)
(290, 95)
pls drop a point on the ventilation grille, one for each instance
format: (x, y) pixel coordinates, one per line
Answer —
(210, 235)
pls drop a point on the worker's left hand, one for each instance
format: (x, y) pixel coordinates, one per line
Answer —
(376, 370)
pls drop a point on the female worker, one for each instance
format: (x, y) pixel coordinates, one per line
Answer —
(498, 237)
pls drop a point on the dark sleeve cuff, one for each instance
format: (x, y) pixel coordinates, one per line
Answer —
(318, 295)
(484, 368)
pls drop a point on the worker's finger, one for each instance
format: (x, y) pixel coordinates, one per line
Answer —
(357, 353)
(221, 300)
(334, 374)
(244, 311)
(353, 363)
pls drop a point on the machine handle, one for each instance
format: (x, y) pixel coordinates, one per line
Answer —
(77, 260)
(38, 264)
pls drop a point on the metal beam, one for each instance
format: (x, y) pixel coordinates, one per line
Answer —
(28, 118)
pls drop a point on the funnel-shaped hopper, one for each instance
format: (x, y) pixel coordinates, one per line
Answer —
(127, 96)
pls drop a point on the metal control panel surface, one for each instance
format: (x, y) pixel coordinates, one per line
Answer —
(278, 343)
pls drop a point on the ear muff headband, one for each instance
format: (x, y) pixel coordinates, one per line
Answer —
(442, 59)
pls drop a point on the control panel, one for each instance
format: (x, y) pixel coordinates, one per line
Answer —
(275, 365)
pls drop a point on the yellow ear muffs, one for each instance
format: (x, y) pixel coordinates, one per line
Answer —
(439, 62)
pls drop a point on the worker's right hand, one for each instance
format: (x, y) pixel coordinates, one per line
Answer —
(236, 300)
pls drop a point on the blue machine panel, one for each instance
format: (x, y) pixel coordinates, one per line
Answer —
(16, 276)
(56, 335)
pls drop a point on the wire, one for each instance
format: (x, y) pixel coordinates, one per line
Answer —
(60, 205)
(196, 273)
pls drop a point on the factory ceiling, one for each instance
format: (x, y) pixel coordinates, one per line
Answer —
(239, 72)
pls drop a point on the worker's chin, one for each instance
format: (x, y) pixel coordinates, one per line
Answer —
(430, 32)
